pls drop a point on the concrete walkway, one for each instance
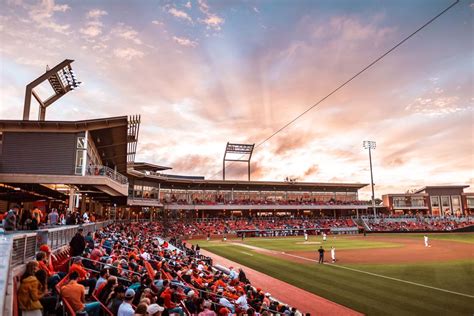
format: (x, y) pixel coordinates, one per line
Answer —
(303, 300)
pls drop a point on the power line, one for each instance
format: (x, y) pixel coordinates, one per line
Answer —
(351, 78)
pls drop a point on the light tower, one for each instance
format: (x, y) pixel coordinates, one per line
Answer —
(62, 80)
(368, 144)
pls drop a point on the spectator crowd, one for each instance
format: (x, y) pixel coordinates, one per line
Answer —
(18, 218)
(127, 270)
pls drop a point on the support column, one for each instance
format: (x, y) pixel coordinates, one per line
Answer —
(72, 192)
(83, 204)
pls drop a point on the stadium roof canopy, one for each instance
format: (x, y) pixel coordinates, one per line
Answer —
(201, 184)
(112, 136)
(22, 192)
(145, 166)
(442, 187)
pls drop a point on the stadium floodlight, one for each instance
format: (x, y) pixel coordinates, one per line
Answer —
(244, 152)
(368, 144)
(62, 80)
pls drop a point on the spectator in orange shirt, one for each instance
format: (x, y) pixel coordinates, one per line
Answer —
(53, 277)
(74, 294)
(171, 306)
(83, 275)
(49, 260)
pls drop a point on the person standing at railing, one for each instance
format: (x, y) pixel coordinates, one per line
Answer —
(77, 243)
(85, 217)
(53, 217)
(9, 222)
(37, 215)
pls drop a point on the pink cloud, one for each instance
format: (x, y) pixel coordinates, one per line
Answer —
(180, 14)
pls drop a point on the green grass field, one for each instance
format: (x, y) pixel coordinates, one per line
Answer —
(369, 294)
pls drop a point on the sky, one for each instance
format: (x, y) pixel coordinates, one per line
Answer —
(204, 73)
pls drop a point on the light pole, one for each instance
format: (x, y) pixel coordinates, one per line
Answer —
(368, 144)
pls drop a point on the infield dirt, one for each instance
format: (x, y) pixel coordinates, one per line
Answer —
(410, 251)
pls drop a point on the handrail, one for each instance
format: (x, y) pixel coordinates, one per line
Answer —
(5, 267)
(103, 263)
(99, 170)
(22, 247)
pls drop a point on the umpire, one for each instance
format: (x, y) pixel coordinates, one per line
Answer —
(321, 254)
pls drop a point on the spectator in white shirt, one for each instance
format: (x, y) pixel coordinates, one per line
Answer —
(126, 308)
(225, 302)
(241, 302)
(232, 274)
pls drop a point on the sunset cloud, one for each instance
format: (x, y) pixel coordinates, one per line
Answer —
(126, 32)
(96, 13)
(128, 53)
(180, 14)
(183, 41)
(43, 15)
(93, 26)
(211, 20)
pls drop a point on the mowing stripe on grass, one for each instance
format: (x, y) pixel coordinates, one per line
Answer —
(383, 276)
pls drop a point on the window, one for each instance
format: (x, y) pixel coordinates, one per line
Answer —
(456, 202)
(417, 201)
(79, 161)
(399, 202)
(445, 201)
(138, 188)
(435, 201)
(470, 202)
(435, 205)
(81, 147)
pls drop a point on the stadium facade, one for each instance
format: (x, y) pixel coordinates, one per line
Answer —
(441, 200)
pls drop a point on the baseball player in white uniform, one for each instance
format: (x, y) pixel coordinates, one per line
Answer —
(325, 236)
(305, 236)
(427, 243)
(333, 254)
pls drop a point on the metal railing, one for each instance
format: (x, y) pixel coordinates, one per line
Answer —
(98, 170)
(17, 248)
(5, 267)
(25, 245)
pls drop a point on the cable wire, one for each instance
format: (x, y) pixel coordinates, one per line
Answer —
(351, 78)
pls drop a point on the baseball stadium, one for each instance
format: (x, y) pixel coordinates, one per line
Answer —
(97, 222)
